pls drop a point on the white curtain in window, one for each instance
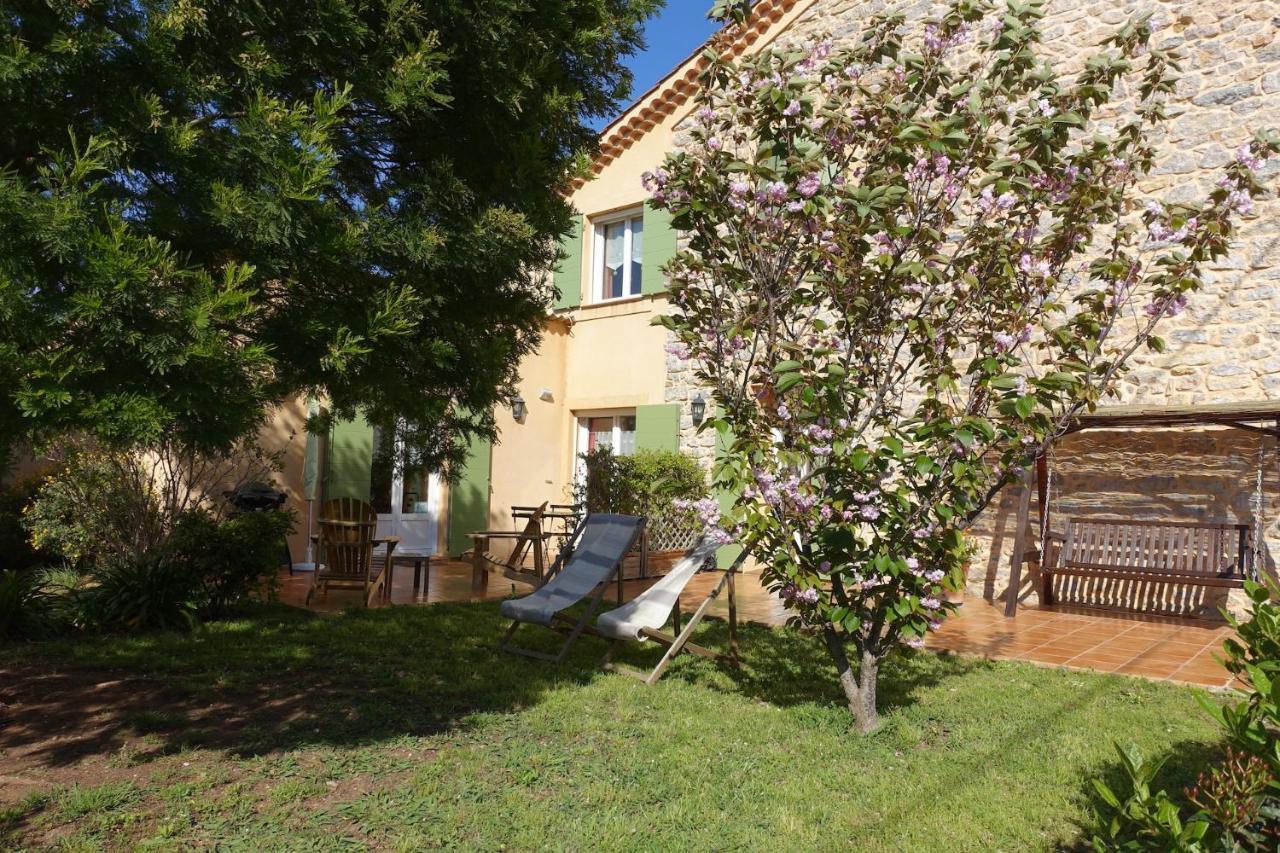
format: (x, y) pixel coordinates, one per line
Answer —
(614, 258)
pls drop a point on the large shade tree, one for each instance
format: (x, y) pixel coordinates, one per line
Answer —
(912, 260)
(210, 205)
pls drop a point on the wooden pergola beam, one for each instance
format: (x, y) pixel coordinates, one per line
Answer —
(1242, 415)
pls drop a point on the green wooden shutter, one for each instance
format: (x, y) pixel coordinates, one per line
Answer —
(469, 496)
(568, 276)
(659, 247)
(350, 460)
(658, 427)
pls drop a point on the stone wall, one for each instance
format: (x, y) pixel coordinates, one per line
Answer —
(1225, 347)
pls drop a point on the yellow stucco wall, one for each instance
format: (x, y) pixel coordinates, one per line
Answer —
(604, 356)
(526, 462)
(285, 431)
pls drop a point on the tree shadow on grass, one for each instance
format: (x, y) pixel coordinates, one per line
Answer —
(277, 679)
(1187, 759)
(785, 667)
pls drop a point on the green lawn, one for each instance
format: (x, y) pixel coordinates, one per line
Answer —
(404, 728)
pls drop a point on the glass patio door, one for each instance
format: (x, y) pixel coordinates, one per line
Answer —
(407, 497)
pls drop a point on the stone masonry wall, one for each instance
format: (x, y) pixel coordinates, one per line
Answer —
(1225, 347)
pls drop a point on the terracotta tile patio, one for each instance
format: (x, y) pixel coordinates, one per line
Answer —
(1159, 648)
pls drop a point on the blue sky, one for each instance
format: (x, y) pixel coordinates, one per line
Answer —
(672, 34)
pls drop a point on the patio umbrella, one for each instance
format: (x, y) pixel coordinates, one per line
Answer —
(311, 477)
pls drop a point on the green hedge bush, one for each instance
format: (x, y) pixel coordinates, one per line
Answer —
(644, 483)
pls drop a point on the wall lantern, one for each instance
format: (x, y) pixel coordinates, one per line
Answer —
(698, 409)
(517, 407)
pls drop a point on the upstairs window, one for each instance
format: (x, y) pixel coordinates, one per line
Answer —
(618, 253)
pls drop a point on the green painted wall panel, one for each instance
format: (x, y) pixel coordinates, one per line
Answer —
(469, 496)
(568, 276)
(350, 460)
(659, 247)
(658, 427)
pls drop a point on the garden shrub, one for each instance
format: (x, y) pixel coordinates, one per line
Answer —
(1235, 805)
(17, 553)
(97, 509)
(150, 593)
(232, 559)
(146, 539)
(23, 606)
(646, 483)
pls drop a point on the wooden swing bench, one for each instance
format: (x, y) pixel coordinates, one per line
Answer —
(1147, 559)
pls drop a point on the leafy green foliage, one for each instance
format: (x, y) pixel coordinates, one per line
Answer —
(23, 607)
(231, 560)
(145, 540)
(644, 483)
(206, 207)
(148, 594)
(16, 551)
(1237, 803)
(95, 509)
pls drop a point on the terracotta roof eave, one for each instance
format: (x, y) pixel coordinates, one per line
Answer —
(675, 88)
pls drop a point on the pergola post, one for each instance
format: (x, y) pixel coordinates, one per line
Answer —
(1020, 544)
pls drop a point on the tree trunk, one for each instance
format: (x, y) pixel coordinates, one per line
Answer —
(859, 691)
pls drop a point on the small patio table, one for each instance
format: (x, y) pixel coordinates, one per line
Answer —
(421, 560)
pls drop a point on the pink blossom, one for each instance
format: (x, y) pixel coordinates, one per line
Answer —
(1167, 306)
(774, 191)
(930, 603)
(1241, 201)
(714, 144)
(808, 186)
(914, 642)
(792, 108)
(1245, 157)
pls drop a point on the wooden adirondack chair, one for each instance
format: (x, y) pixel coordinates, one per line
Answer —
(347, 539)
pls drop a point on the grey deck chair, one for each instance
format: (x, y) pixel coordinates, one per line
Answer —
(595, 558)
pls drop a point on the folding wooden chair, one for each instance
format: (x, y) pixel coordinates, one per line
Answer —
(529, 540)
(592, 558)
(641, 618)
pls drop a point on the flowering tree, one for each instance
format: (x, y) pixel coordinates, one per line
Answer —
(911, 262)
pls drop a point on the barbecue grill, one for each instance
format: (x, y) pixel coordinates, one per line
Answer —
(260, 497)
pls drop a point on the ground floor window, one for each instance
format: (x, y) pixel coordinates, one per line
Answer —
(615, 430)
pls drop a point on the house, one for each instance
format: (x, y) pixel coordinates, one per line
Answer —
(602, 375)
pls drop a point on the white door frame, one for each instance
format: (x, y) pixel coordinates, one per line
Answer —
(426, 536)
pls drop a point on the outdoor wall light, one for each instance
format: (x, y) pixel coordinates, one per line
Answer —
(698, 409)
(517, 407)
